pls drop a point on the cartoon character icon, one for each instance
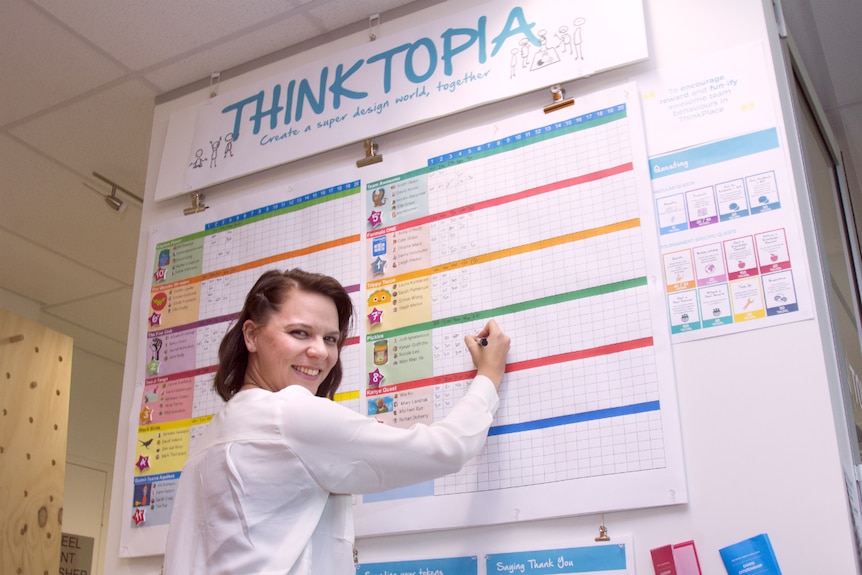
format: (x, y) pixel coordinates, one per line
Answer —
(379, 297)
(199, 159)
(564, 40)
(578, 38)
(215, 146)
(142, 493)
(524, 45)
(378, 197)
(228, 144)
(381, 405)
(381, 352)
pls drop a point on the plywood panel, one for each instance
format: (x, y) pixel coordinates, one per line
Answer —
(35, 380)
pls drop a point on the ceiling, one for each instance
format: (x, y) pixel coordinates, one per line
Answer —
(78, 85)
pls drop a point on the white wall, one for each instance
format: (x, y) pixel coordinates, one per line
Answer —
(762, 450)
(94, 407)
(91, 445)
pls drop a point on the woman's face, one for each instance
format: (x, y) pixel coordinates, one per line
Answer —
(297, 346)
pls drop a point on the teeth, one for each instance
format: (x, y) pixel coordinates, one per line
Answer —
(306, 370)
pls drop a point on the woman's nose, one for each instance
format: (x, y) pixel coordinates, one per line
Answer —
(317, 348)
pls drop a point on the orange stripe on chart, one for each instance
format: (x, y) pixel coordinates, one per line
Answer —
(509, 252)
(259, 263)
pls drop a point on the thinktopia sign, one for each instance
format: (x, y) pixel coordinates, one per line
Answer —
(470, 58)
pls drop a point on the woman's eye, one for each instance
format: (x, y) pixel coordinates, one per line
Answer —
(331, 339)
(299, 333)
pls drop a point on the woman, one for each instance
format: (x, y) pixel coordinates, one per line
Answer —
(267, 489)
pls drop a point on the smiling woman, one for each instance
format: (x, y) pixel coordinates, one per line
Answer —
(298, 345)
(275, 328)
(267, 488)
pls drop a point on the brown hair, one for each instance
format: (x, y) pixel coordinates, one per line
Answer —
(265, 299)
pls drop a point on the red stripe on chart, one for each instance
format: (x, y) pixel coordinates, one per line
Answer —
(577, 180)
(518, 366)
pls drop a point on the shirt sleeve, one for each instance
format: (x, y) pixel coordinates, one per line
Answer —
(347, 452)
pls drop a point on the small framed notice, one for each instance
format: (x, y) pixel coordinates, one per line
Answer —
(76, 555)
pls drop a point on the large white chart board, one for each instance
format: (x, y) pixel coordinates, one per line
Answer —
(543, 222)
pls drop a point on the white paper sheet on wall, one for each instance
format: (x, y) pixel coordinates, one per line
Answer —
(540, 221)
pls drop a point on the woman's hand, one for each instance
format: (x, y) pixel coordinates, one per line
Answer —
(489, 349)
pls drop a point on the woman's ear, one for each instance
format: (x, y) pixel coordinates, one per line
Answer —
(249, 332)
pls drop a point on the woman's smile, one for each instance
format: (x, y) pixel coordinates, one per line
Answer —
(298, 345)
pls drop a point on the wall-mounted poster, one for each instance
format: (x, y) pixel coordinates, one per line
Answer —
(484, 54)
(542, 222)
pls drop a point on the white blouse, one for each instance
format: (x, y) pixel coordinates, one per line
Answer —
(267, 489)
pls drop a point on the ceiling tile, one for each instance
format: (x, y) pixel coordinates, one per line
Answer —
(233, 52)
(49, 64)
(87, 340)
(141, 34)
(107, 313)
(108, 133)
(337, 13)
(59, 279)
(48, 204)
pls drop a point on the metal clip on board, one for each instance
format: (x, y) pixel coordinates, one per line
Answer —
(558, 93)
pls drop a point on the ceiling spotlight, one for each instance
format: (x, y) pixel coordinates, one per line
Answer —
(114, 202)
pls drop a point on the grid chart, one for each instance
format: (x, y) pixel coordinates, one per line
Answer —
(206, 401)
(205, 405)
(292, 225)
(351, 381)
(548, 214)
(208, 339)
(551, 153)
(307, 232)
(567, 282)
(226, 292)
